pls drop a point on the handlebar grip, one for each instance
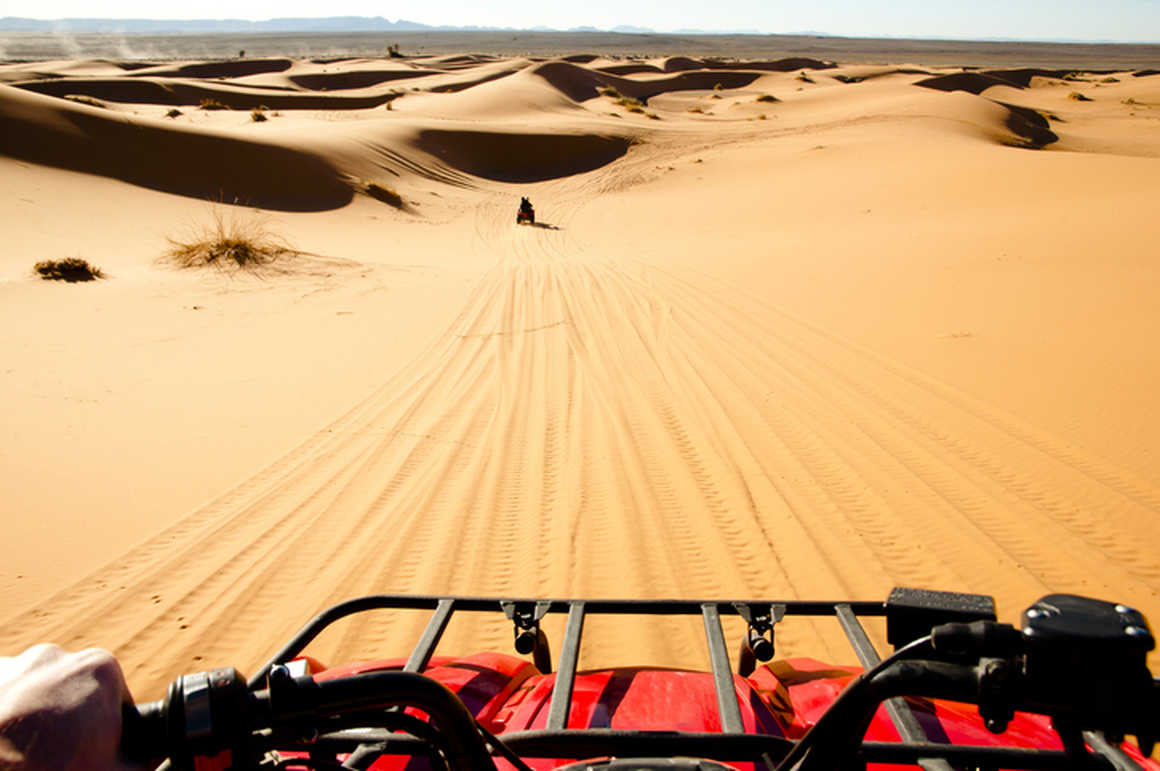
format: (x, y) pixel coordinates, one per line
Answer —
(143, 732)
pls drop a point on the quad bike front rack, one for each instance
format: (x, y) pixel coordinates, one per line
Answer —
(909, 614)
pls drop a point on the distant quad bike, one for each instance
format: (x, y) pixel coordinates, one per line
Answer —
(959, 691)
(526, 213)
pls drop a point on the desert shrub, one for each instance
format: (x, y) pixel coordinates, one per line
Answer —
(768, 98)
(610, 92)
(652, 116)
(1130, 101)
(1077, 96)
(71, 269)
(393, 51)
(257, 115)
(228, 242)
(1075, 76)
(628, 102)
(90, 101)
(209, 103)
(697, 109)
(384, 194)
(634, 108)
(173, 113)
(804, 77)
(761, 116)
(1110, 79)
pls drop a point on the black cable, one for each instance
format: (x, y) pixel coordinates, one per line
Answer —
(834, 712)
(502, 749)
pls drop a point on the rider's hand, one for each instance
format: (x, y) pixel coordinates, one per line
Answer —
(61, 711)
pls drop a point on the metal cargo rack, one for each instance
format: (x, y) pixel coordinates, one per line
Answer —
(909, 613)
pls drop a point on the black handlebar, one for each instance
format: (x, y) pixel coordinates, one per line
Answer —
(209, 713)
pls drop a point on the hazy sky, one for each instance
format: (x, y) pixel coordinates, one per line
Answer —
(1113, 20)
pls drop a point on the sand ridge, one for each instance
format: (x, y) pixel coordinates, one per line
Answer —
(808, 346)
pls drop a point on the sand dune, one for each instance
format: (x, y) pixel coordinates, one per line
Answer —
(168, 159)
(889, 325)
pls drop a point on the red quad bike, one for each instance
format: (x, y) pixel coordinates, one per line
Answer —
(959, 691)
(526, 214)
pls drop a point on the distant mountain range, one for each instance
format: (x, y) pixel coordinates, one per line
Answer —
(294, 25)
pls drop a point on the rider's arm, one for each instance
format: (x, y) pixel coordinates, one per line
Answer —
(61, 711)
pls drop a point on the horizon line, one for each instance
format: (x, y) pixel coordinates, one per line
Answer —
(620, 29)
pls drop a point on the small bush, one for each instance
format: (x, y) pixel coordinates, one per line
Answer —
(90, 101)
(384, 194)
(652, 116)
(209, 103)
(1130, 101)
(610, 92)
(174, 113)
(1110, 79)
(768, 98)
(634, 108)
(804, 78)
(393, 51)
(1077, 96)
(628, 102)
(698, 109)
(228, 243)
(71, 269)
(257, 115)
(761, 116)
(1075, 76)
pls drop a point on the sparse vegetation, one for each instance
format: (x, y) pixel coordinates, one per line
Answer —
(1110, 79)
(90, 101)
(1077, 96)
(229, 243)
(174, 113)
(633, 107)
(652, 116)
(70, 269)
(1075, 76)
(697, 109)
(393, 51)
(1130, 101)
(761, 116)
(804, 77)
(610, 92)
(209, 103)
(768, 98)
(258, 114)
(384, 194)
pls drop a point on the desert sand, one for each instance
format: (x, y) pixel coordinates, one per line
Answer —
(785, 330)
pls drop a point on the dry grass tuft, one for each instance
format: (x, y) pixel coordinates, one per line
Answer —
(1077, 96)
(384, 194)
(70, 269)
(209, 103)
(229, 242)
(83, 99)
(173, 113)
(768, 98)
(804, 78)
